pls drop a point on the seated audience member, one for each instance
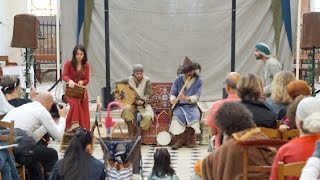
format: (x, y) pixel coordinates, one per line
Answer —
(294, 89)
(250, 91)
(78, 162)
(280, 98)
(162, 168)
(289, 121)
(312, 168)
(32, 121)
(300, 149)
(7, 166)
(12, 91)
(231, 89)
(236, 123)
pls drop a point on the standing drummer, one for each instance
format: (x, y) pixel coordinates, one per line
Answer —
(184, 94)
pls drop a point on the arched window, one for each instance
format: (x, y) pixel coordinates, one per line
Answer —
(42, 7)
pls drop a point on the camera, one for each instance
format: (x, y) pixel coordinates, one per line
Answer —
(54, 111)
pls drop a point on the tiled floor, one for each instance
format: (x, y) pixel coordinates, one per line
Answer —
(182, 160)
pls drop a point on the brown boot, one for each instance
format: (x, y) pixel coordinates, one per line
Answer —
(179, 142)
(131, 129)
(189, 137)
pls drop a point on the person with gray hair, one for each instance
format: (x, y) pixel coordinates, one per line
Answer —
(301, 148)
(142, 86)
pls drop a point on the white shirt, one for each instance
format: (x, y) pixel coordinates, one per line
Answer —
(311, 170)
(36, 121)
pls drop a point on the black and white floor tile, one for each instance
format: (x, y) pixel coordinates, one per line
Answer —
(182, 160)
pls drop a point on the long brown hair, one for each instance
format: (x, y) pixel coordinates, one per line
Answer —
(74, 53)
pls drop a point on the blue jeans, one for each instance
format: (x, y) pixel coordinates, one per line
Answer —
(7, 166)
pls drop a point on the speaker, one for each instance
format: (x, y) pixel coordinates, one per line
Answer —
(25, 31)
(310, 30)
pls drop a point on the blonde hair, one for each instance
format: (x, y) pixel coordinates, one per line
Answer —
(279, 93)
(250, 87)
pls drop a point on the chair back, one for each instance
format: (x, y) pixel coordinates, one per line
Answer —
(259, 143)
(290, 169)
(7, 137)
(271, 133)
(290, 134)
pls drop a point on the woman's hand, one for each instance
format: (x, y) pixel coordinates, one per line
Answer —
(283, 128)
(80, 83)
(71, 83)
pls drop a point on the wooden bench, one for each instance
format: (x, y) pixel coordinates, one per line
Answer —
(49, 59)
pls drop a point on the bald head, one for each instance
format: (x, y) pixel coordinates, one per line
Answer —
(45, 98)
(232, 80)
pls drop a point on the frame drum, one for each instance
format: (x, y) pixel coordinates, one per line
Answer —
(163, 138)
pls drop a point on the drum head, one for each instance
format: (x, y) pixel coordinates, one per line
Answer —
(163, 138)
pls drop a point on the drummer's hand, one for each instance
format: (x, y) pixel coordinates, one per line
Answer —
(80, 83)
(71, 83)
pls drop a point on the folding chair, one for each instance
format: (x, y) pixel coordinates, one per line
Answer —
(290, 169)
(259, 144)
(290, 134)
(8, 138)
(271, 133)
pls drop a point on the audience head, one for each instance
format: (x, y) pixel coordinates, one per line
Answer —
(45, 98)
(291, 111)
(75, 162)
(279, 92)
(79, 53)
(298, 87)
(307, 107)
(250, 87)
(233, 117)
(232, 81)
(10, 85)
(162, 163)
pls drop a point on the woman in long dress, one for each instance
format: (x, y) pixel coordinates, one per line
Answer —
(77, 72)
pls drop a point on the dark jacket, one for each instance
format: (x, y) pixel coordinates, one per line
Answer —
(262, 114)
(96, 170)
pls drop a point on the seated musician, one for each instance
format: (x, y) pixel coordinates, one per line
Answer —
(185, 92)
(142, 86)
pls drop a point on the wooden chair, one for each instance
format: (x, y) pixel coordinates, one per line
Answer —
(9, 139)
(290, 134)
(271, 133)
(290, 169)
(261, 143)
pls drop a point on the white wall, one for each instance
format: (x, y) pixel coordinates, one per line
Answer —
(8, 9)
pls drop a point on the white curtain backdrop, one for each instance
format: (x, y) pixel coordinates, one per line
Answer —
(160, 33)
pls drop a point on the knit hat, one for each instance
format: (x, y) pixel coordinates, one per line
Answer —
(188, 66)
(263, 49)
(312, 123)
(137, 68)
(298, 87)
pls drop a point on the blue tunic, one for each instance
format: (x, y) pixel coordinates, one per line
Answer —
(187, 112)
